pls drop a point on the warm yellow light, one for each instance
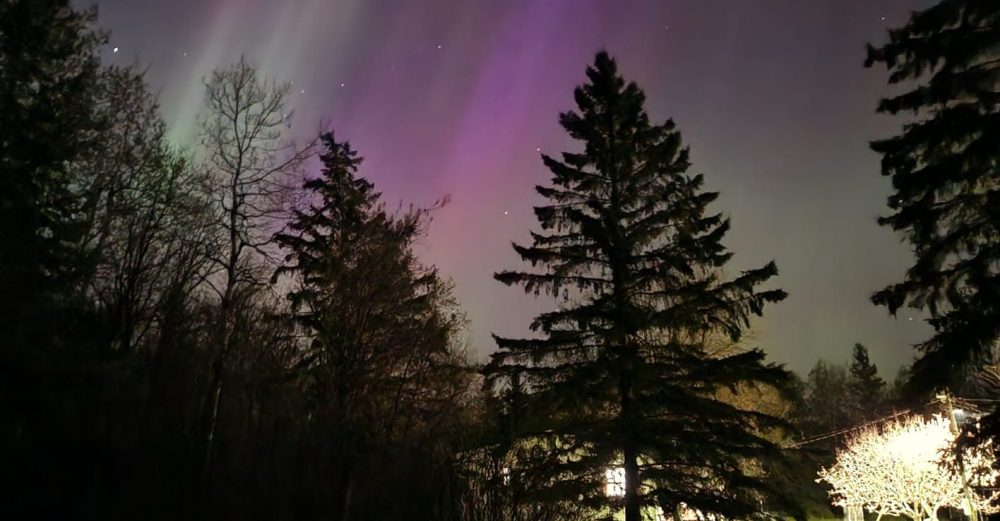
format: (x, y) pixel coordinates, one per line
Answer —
(614, 482)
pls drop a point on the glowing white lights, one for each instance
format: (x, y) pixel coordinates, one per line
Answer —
(897, 469)
(614, 482)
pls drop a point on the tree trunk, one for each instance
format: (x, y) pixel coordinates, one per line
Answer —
(216, 392)
(347, 498)
(631, 483)
(630, 452)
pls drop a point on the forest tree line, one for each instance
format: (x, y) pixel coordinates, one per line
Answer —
(242, 330)
(171, 346)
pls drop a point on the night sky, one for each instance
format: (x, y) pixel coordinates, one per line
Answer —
(458, 97)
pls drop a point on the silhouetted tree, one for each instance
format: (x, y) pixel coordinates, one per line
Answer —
(247, 165)
(867, 387)
(381, 367)
(134, 285)
(946, 202)
(620, 368)
(145, 212)
(943, 168)
(48, 80)
(895, 392)
(828, 402)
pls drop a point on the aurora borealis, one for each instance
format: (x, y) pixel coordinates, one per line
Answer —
(458, 97)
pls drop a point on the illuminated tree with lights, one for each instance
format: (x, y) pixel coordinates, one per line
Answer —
(620, 375)
(905, 468)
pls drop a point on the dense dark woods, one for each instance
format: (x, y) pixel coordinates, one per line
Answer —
(151, 367)
(243, 330)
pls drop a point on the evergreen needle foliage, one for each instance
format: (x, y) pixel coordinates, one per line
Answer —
(48, 86)
(867, 387)
(382, 364)
(945, 172)
(618, 376)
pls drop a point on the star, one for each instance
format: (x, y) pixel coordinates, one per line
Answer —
(883, 18)
(341, 84)
(505, 212)
(115, 50)
(440, 46)
(303, 91)
(538, 149)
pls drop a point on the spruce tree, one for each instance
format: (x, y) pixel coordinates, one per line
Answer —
(619, 371)
(48, 78)
(945, 173)
(828, 403)
(49, 73)
(381, 367)
(867, 387)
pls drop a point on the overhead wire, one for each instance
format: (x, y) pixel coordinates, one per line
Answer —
(845, 430)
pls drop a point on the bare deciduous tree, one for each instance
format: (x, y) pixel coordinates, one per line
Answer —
(249, 165)
(142, 207)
